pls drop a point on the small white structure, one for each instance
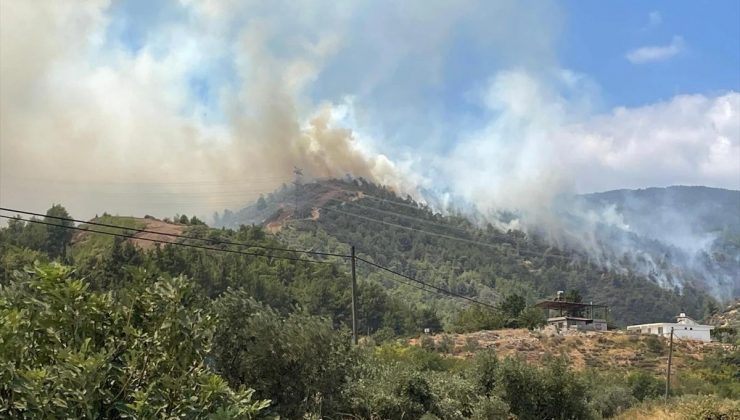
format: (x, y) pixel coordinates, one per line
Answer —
(684, 327)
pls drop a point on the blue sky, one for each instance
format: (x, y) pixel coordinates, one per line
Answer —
(597, 35)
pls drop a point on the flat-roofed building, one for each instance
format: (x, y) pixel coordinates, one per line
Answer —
(566, 315)
(684, 327)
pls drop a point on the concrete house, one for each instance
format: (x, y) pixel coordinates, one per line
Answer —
(566, 315)
(684, 327)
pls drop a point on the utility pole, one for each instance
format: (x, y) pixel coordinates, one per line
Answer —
(354, 298)
(668, 376)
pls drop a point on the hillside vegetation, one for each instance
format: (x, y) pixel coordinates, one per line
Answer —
(448, 251)
(106, 328)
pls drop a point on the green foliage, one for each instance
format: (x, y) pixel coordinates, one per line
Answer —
(512, 305)
(483, 372)
(654, 344)
(716, 373)
(297, 361)
(426, 342)
(645, 386)
(57, 237)
(69, 352)
(531, 318)
(446, 344)
(550, 392)
(476, 318)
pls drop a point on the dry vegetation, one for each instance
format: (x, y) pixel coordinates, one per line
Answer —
(614, 349)
(686, 408)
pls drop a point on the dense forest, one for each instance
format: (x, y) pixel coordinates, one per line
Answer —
(95, 326)
(450, 251)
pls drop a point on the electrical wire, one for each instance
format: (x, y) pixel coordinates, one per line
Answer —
(435, 288)
(120, 235)
(174, 235)
(441, 235)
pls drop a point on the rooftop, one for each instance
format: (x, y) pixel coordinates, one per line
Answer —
(565, 305)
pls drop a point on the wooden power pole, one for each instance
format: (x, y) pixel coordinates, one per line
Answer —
(354, 298)
(668, 373)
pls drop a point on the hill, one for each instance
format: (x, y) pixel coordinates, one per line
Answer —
(681, 234)
(449, 251)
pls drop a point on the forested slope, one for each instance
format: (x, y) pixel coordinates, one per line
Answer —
(450, 252)
(95, 325)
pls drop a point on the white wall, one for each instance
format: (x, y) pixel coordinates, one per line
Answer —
(682, 331)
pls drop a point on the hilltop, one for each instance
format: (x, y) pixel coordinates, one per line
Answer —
(450, 251)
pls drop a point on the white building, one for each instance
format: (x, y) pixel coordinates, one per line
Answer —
(684, 327)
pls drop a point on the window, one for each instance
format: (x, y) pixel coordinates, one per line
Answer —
(692, 328)
(660, 330)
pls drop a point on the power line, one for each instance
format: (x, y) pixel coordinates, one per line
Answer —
(435, 288)
(120, 235)
(422, 208)
(416, 207)
(431, 222)
(174, 235)
(441, 235)
(421, 285)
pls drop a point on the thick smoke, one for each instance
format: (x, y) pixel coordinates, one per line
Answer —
(543, 144)
(90, 123)
(207, 110)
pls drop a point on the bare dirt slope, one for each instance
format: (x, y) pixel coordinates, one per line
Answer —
(584, 349)
(156, 226)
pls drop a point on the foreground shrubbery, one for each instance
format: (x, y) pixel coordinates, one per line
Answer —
(67, 352)
(160, 348)
(690, 407)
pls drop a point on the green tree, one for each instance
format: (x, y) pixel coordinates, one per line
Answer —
(513, 305)
(531, 318)
(572, 295)
(68, 352)
(300, 361)
(58, 236)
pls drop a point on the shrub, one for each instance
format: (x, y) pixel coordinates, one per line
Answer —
(483, 371)
(300, 361)
(534, 393)
(71, 353)
(446, 344)
(644, 385)
(426, 342)
(654, 344)
(490, 408)
(608, 401)
(471, 344)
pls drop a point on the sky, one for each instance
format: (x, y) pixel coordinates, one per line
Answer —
(191, 106)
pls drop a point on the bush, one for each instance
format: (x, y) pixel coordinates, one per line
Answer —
(534, 393)
(390, 391)
(70, 353)
(483, 372)
(446, 344)
(300, 361)
(654, 344)
(471, 344)
(608, 401)
(644, 385)
(426, 342)
(490, 408)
